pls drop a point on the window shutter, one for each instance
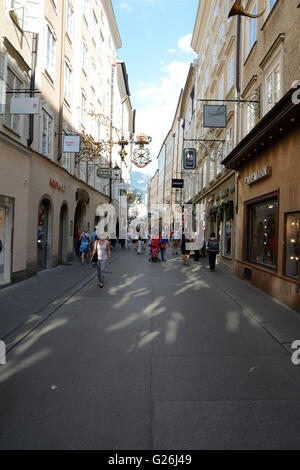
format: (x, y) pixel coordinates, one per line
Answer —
(3, 79)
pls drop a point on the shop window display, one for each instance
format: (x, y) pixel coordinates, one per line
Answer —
(227, 237)
(263, 233)
(292, 254)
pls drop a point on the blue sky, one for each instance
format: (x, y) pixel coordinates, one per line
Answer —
(156, 36)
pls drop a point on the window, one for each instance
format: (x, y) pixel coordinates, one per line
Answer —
(292, 243)
(206, 78)
(86, 9)
(91, 175)
(216, 10)
(95, 28)
(202, 89)
(229, 141)
(94, 75)
(84, 56)
(69, 20)
(221, 36)
(214, 56)
(221, 88)
(82, 171)
(263, 232)
(83, 109)
(100, 42)
(252, 30)
(47, 136)
(219, 159)
(273, 87)
(231, 73)
(12, 83)
(50, 53)
(68, 83)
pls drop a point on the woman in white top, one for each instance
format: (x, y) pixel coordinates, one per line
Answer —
(102, 247)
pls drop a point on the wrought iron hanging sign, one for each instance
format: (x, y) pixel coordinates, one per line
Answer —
(141, 155)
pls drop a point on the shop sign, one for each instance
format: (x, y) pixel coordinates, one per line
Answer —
(71, 143)
(104, 172)
(177, 183)
(20, 105)
(215, 116)
(189, 159)
(57, 185)
(258, 175)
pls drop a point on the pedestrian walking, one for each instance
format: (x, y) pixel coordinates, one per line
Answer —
(163, 247)
(85, 243)
(185, 253)
(77, 239)
(102, 251)
(140, 243)
(213, 250)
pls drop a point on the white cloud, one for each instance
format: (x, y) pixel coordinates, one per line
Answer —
(172, 51)
(156, 105)
(184, 44)
(125, 6)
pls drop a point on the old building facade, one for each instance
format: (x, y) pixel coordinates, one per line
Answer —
(46, 193)
(267, 157)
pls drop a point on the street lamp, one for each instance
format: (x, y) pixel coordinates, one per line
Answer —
(116, 173)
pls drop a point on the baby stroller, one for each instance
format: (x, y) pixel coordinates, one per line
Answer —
(154, 251)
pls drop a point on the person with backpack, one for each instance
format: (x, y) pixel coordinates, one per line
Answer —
(213, 250)
(85, 244)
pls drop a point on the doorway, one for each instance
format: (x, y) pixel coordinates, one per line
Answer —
(6, 227)
(63, 235)
(79, 224)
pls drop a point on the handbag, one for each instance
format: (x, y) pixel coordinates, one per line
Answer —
(163, 246)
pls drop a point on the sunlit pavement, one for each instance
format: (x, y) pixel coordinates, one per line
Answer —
(164, 357)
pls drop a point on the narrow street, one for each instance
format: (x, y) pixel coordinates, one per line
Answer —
(164, 357)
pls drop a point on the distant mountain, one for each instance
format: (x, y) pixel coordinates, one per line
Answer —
(139, 181)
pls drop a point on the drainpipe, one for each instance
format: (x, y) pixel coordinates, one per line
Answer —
(62, 79)
(32, 84)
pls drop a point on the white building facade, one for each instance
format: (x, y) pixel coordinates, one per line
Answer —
(47, 194)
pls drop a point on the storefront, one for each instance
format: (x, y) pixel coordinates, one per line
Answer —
(219, 206)
(268, 218)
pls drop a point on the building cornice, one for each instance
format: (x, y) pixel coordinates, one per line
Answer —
(279, 121)
(112, 23)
